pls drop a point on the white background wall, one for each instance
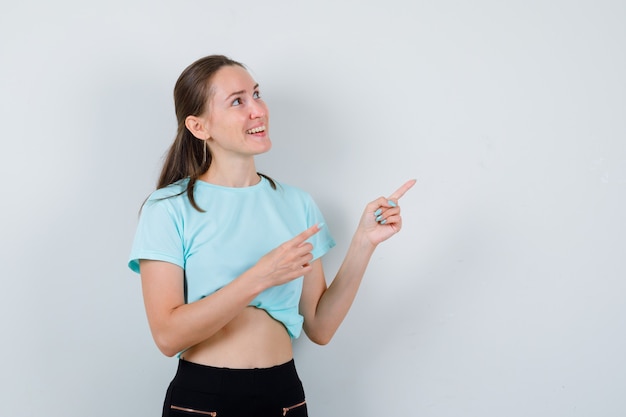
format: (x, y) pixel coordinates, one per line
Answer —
(504, 295)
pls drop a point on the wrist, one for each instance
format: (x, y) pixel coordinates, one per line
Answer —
(362, 241)
(253, 282)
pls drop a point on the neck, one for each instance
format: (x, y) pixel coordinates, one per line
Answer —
(237, 174)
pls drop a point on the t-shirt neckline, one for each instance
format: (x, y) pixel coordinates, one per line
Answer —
(253, 187)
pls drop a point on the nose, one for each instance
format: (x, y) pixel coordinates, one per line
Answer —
(257, 110)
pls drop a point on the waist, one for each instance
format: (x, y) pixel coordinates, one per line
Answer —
(251, 340)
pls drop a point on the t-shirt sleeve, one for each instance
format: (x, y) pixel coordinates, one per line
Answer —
(322, 241)
(158, 236)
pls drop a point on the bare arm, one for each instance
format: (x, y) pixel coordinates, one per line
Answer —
(325, 308)
(177, 326)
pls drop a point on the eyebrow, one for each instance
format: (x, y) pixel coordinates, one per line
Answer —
(236, 93)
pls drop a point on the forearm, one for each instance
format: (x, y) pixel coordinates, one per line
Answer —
(189, 324)
(335, 302)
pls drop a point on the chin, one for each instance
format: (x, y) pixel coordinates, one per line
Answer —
(265, 147)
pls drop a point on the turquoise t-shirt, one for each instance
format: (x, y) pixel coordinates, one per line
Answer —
(238, 227)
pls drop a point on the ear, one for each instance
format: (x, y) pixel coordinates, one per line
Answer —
(197, 127)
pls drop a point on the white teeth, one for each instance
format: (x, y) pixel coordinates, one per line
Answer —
(256, 130)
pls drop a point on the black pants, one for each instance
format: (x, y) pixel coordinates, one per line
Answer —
(199, 390)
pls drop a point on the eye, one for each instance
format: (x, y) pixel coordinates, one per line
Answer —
(236, 102)
(256, 95)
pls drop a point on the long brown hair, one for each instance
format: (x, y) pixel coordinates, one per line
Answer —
(189, 157)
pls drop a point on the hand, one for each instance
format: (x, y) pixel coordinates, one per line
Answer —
(288, 261)
(381, 218)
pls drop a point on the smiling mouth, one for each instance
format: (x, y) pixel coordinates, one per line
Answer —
(256, 130)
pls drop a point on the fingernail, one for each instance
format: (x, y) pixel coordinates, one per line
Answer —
(384, 221)
(320, 225)
(377, 212)
(378, 218)
(391, 203)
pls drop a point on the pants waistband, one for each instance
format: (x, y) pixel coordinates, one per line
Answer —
(205, 378)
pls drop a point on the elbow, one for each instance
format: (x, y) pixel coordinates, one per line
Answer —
(168, 352)
(320, 338)
(166, 345)
(321, 341)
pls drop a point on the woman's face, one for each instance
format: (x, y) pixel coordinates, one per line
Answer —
(237, 120)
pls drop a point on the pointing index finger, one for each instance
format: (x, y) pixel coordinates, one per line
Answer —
(302, 237)
(403, 189)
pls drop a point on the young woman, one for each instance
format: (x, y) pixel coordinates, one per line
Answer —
(230, 260)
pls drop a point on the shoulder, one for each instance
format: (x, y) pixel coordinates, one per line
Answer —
(291, 192)
(290, 189)
(169, 198)
(173, 190)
